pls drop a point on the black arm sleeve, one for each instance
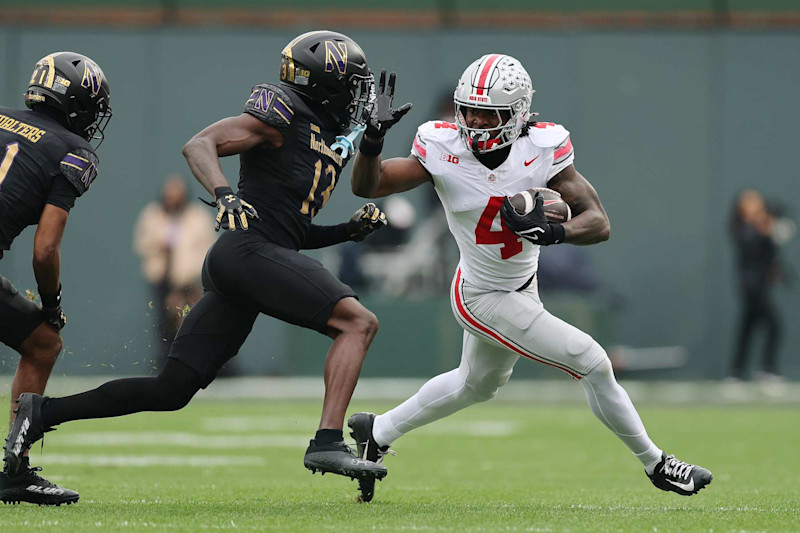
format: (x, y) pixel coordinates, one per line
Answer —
(323, 236)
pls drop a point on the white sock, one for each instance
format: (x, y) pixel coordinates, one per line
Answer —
(442, 396)
(613, 407)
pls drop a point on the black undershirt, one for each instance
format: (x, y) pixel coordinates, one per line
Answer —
(494, 158)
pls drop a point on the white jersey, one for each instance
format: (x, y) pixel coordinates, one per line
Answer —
(492, 256)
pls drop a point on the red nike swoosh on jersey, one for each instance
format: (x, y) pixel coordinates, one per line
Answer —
(531, 161)
(550, 202)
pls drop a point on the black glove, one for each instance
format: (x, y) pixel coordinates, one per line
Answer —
(533, 226)
(52, 312)
(235, 207)
(365, 222)
(382, 116)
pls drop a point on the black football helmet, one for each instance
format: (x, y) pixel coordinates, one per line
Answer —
(75, 85)
(331, 70)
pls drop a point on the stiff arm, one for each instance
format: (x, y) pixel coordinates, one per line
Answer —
(374, 178)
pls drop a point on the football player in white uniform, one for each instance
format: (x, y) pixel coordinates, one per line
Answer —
(492, 151)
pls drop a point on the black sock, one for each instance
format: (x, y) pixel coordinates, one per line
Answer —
(169, 391)
(328, 436)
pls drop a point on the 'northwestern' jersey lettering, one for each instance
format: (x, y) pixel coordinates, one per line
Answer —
(471, 194)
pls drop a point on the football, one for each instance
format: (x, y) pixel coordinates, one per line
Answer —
(555, 208)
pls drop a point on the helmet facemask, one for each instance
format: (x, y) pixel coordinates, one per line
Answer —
(482, 140)
(363, 91)
(95, 130)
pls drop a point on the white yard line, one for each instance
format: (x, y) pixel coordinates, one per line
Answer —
(148, 460)
(186, 440)
(539, 392)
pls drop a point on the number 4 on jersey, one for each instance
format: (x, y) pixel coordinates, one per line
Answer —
(512, 245)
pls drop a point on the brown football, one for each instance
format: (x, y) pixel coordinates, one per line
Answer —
(555, 208)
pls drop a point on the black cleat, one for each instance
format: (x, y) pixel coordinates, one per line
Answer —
(25, 431)
(30, 487)
(367, 448)
(338, 458)
(673, 475)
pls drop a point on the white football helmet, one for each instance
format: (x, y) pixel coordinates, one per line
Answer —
(500, 83)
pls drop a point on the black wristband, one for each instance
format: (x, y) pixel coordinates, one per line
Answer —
(51, 301)
(369, 148)
(559, 233)
(219, 192)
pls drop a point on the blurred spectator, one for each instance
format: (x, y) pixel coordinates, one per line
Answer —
(757, 232)
(172, 237)
(401, 215)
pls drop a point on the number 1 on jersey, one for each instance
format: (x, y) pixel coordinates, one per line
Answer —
(11, 153)
(512, 245)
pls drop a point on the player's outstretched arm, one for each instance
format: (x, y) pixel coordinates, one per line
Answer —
(47, 261)
(589, 224)
(373, 178)
(361, 225)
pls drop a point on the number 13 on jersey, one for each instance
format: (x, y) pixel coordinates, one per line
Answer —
(306, 208)
(512, 243)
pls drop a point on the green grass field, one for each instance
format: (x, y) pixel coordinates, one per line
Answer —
(232, 465)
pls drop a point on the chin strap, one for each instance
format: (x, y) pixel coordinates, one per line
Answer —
(346, 143)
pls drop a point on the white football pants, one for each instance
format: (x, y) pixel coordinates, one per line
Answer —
(499, 328)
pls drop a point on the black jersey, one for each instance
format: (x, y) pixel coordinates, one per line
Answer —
(41, 162)
(290, 184)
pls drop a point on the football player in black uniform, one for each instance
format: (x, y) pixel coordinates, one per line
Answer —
(46, 162)
(288, 172)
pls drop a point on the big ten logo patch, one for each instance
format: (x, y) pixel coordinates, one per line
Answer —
(449, 158)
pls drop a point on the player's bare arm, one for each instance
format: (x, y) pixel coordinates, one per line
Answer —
(373, 178)
(229, 136)
(47, 249)
(589, 224)
(47, 262)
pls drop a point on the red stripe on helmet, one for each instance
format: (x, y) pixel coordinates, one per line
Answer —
(487, 68)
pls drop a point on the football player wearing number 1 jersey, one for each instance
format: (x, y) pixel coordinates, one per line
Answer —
(288, 171)
(47, 161)
(492, 151)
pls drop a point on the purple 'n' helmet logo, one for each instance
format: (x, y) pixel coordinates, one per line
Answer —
(92, 77)
(335, 56)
